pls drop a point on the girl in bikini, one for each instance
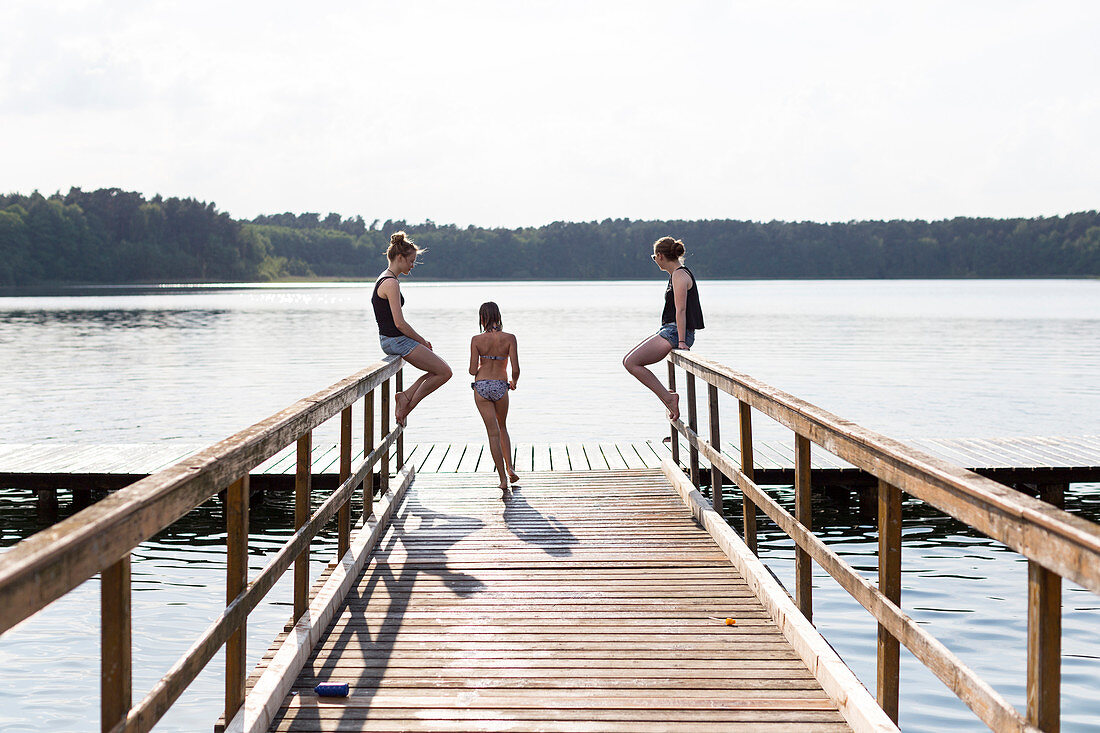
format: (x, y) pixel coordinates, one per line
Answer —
(397, 336)
(681, 318)
(490, 353)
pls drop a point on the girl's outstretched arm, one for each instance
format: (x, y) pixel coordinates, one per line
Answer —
(513, 358)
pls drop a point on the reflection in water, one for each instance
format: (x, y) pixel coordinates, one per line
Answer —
(110, 319)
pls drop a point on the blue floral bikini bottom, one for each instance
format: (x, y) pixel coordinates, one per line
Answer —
(490, 389)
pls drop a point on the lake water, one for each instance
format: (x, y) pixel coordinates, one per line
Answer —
(907, 358)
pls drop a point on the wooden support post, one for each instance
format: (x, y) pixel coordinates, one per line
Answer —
(803, 512)
(82, 498)
(47, 506)
(716, 443)
(675, 444)
(236, 580)
(398, 386)
(748, 509)
(889, 582)
(1044, 635)
(303, 485)
(384, 408)
(693, 423)
(368, 446)
(116, 679)
(343, 516)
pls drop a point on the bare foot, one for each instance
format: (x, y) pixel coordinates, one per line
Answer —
(513, 476)
(673, 406)
(401, 408)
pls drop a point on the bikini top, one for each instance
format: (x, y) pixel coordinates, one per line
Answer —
(494, 358)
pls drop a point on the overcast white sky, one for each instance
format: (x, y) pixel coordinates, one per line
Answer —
(520, 113)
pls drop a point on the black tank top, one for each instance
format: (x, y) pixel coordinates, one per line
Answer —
(382, 312)
(694, 310)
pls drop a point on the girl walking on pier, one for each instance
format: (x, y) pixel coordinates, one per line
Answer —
(681, 318)
(490, 353)
(397, 336)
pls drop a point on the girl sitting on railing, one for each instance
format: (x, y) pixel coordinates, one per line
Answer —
(681, 318)
(397, 336)
(490, 353)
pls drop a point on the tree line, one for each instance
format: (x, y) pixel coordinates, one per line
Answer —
(116, 236)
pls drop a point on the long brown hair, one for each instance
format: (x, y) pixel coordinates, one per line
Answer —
(488, 317)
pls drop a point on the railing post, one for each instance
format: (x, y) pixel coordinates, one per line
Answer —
(116, 679)
(803, 591)
(716, 444)
(384, 408)
(399, 386)
(236, 580)
(1044, 635)
(675, 444)
(889, 582)
(303, 485)
(748, 509)
(343, 516)
(368, 447)
(693, 423)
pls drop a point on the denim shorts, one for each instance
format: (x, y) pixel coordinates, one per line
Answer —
(669, 333)
(399, 345)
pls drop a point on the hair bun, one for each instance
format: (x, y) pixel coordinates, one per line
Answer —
(397, 238)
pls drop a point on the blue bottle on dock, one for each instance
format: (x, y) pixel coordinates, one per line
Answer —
(332, 689)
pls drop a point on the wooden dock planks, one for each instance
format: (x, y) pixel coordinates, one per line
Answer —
(1010, 460)
(587, 601)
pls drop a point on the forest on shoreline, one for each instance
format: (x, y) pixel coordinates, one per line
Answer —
(121, 237)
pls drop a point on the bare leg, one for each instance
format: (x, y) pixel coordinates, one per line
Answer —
(437, 374)
(501, 406)
(651, 351)
(404, 399)
(489, 416)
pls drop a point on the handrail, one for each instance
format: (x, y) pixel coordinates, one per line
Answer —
(1055, 543)
(52, 562)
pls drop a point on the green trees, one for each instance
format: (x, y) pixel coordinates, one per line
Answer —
(110, 235)
(117, 236)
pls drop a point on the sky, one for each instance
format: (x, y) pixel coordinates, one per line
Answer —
(520, 113)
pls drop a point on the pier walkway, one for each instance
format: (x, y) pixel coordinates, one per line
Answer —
(582, 601)
(592, 599)
(1036, 460)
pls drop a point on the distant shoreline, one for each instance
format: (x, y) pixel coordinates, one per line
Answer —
(73, 288)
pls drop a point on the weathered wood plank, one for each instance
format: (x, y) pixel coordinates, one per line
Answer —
(590, 583)
(559, 457)
(1061, 542)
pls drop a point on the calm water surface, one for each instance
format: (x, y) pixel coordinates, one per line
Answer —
(908, 358)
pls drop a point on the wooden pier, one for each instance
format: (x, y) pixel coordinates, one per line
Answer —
(593, 598)
(589, 600)
(1019, 460)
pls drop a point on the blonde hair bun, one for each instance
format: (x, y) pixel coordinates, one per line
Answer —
(401, 246)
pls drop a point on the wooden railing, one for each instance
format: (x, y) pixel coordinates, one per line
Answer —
(1055, 543)
(100, 539)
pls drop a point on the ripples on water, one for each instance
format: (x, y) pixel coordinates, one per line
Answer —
(908, 358)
